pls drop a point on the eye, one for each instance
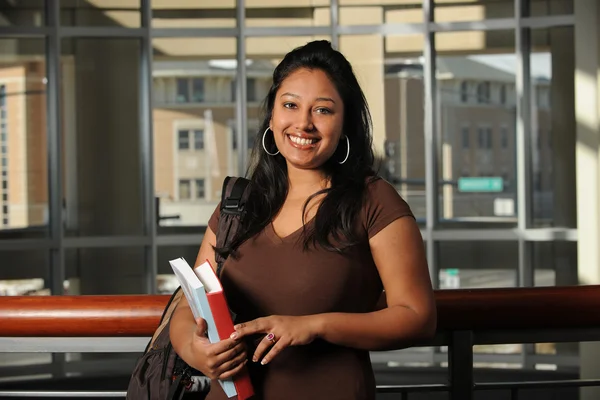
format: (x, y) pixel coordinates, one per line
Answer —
(289, 105)
(322, 110)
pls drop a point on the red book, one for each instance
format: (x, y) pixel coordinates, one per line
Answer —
(223, 323)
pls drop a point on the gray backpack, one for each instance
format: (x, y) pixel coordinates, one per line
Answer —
(160, 374)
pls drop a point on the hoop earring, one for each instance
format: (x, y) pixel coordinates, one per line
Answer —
(265, 147)
(347, 152)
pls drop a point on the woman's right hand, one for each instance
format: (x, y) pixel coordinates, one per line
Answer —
(219, 360)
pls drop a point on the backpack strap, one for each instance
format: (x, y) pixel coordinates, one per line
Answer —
(234, 196)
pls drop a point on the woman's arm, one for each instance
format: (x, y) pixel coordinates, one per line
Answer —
(215, 360)
(410, 315)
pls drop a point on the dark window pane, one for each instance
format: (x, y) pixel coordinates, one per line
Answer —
(198, 140)
(466, 142)
(101, 157)
(197, 90)
(183, 140)
(185, 189)
(200, 189)
(183, 90)
(251, 89)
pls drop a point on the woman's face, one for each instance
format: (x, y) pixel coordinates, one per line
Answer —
(307, 118)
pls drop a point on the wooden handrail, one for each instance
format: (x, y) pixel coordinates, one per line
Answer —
(138, 315)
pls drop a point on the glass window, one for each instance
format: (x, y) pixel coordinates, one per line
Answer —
(504, 137)
(101, 157)
(468, 10)
(4, 196)
(5, 209)
(105, 271)
(486, 60)
(200, 189)
(541, 8)
(210, 63)
(23, 13)
(122, 13)
(190, 14)
(554, 200)
(260, 13)
(466, 140)
(502, 94)
(478, 264)
(198, 139)
(197, 90)
(5, 221)
(24, 281)
(23, 123)
(252, 93)
(185, 189)
(183, 90)
(464, 91)
(483, 92)
(183, 140)
(251, 89)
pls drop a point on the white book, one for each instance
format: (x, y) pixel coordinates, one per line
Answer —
(195, 293)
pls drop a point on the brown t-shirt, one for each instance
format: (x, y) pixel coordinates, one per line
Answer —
(275, 276)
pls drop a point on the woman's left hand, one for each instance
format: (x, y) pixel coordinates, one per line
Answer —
(280, 332)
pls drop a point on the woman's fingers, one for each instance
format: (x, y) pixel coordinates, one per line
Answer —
(276, 349)
(233, 366)
(262, 347)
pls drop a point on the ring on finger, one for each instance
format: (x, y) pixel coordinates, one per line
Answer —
(271, 337)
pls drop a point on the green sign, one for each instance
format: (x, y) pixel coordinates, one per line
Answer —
(483, 184)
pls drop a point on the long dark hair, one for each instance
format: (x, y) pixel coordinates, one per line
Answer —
(334, 226)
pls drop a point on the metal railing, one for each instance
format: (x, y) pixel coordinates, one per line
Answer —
(63, 324)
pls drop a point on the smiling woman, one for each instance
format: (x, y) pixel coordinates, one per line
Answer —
(312, 256)
(307, 118)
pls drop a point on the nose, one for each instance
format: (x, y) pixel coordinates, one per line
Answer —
(305, 122)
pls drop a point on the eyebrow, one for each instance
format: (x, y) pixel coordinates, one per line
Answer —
(318, 98)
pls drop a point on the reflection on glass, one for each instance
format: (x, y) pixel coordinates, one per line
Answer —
(305, 13)
(479, 264)
(22, 13)
(477, 114)
(555, 263)
(469, 10)
(353, 12)
(122, 13)
(101, 154)
(19, 281)
(552, 140)
(193, 14)
(194, 112)
(404, 152)
(541, 8)
(23, 150)
(107, 270)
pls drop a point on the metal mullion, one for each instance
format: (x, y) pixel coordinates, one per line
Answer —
(28, 244)
(334, 9)
(24, 31)
(382, 29)
(194, 32)
(147, 149)
(284, 31)
(55, 176)
(431, 173)
(101, 31)
(548, 22)
(523, 147)
(240, 102)
(106, 241)
(484, 25)
(180, 240)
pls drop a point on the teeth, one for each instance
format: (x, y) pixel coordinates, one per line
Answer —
(301, 141)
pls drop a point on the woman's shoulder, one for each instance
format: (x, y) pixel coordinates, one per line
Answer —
(383, 204)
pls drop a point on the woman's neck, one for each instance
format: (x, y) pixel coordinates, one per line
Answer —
(306, 181)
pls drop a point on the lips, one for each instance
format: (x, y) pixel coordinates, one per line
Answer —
(302, 142)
